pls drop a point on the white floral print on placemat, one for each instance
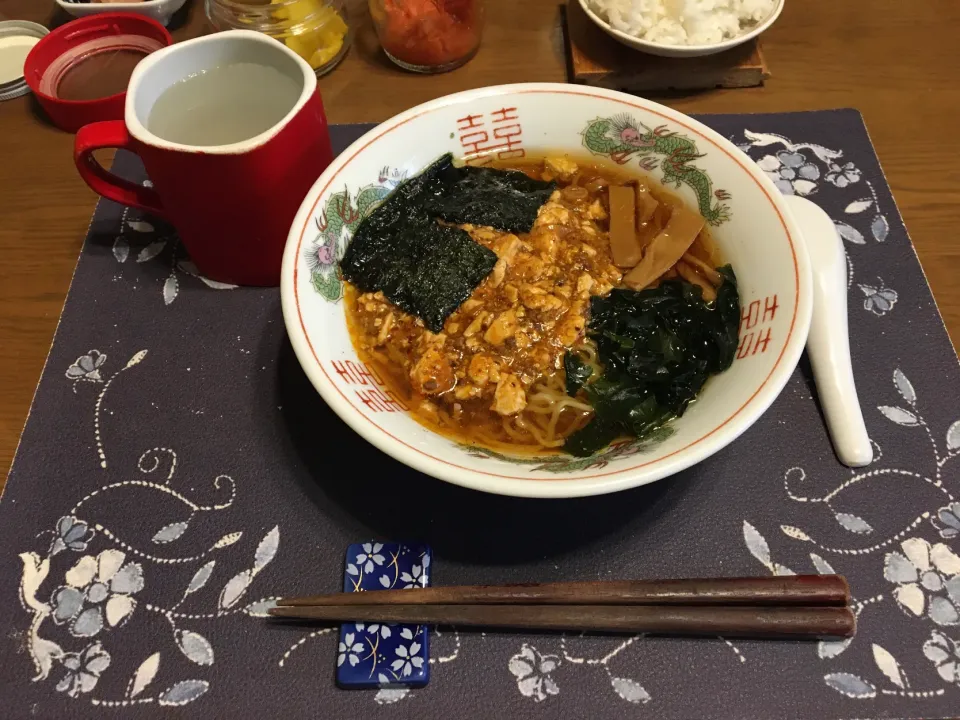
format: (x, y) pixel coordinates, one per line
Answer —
(791, 172)
(923, 577)
(532, 671)
(86, 368)
(927, 579)
(536, 671)
(80, 598)
(801, 169)
(154, 246)
(879, 299)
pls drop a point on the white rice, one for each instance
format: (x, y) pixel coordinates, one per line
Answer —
(683, 22)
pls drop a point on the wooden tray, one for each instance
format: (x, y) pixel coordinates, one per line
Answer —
(597, 59)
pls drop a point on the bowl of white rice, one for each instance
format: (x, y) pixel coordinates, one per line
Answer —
(683, 28)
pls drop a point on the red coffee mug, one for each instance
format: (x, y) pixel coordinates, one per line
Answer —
(231, 205)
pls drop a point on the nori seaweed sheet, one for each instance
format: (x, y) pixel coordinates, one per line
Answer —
(443, 267)
(377, 247)
(428, 269)
(507, 200)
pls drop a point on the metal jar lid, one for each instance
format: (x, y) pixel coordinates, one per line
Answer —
(17, 38)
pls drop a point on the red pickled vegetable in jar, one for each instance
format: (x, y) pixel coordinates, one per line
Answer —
(428, 35)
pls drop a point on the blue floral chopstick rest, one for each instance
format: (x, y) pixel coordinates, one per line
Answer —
(371, 655)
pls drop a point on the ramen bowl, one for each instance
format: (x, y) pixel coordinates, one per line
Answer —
(749, 222)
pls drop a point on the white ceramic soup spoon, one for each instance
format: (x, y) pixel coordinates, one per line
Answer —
(828, 344)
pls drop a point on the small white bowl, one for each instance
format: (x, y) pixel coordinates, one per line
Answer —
(750, 223)
(680, 51)
(159, 10)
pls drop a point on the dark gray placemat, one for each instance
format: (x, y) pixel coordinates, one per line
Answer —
(177, 469)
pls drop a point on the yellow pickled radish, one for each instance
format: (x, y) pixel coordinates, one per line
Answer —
(324, 55)
(299, 11)
(303, 44)
(330, 35)
(320, 43)
(332, 22)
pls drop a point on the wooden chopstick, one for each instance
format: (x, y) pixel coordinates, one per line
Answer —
(703, 620)
(799, 606)
(795, 590)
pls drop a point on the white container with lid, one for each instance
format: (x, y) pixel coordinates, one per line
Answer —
(17, 38)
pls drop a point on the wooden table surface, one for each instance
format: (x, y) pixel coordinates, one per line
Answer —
(897, 62)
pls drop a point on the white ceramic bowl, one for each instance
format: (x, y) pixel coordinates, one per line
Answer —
(680, 51)
(159, 10)
(751, 224)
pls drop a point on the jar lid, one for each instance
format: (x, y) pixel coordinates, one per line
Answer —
(104, 75)
(94, 55)
(17, 39)
(79, 72)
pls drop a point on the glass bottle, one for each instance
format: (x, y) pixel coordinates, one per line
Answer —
(317, 30)
(428, 36)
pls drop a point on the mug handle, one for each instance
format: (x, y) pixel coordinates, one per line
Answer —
(111, 134)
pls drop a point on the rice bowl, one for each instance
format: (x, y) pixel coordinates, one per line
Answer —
(683, 28)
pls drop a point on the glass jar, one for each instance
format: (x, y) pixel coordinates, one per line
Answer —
(316, 30)
(428, 36)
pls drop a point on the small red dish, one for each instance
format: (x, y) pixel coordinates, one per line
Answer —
(79, 72)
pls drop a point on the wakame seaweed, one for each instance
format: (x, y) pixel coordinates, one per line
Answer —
(424, 267)
(657, 347)
(577, 372)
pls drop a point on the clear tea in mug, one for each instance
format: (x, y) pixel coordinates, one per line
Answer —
(223, 105)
